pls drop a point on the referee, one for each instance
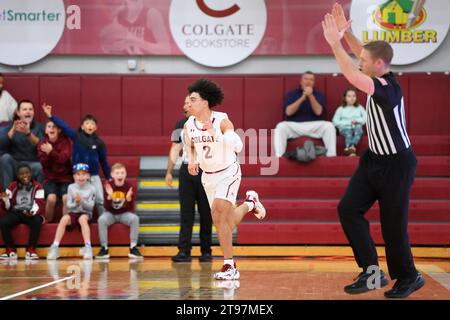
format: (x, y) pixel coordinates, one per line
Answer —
(190, 191)
(386, 170)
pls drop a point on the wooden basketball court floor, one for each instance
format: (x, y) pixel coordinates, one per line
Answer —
(158, 278)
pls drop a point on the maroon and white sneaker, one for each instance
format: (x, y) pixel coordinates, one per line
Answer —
(228, 272)
(10, 254)
(259, 210)
(31, 254)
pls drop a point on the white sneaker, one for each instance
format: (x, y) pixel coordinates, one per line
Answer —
(9, 255)
(259, 210)
(87, 253)
(31, 255)
(228, 272)
(53, 253)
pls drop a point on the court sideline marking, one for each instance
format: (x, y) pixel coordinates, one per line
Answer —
(437, 274)
(36, 288)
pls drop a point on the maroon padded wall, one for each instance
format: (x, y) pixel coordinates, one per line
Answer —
(151, 105)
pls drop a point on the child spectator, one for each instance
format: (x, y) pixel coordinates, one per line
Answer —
(55, 155)
(87, 148)
(24, 203)
(80, 203)
(119, 208)
(349, 119)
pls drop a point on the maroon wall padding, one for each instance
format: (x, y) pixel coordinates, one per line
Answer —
(233, 88)
(141, 106)
(429, 166)
(298, 187)
(118, 234)
(102, 97)
(174, 93)
(159, 145)
(25, 87)
(137, 145)
(263, 96)
(326, 210)
(252, 101)
(429, 104)
(331, 233)
(63, 93)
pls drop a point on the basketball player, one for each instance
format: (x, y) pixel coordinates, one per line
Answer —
(211, 139)
(386, 170)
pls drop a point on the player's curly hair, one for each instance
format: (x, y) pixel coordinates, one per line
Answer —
(208, 90)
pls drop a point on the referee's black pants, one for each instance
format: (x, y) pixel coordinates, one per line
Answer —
(387, 179)
(191, 191)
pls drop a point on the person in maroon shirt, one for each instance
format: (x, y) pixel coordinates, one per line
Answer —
(119, 208)
(55, 155)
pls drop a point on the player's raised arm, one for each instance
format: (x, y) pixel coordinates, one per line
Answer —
(346, 64)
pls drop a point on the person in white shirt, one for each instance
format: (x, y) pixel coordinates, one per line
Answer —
(8, 107)
(8, 104)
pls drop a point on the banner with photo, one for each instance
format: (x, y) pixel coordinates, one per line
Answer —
(211, 32)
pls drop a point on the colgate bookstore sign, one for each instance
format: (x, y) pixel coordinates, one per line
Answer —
(217, 33)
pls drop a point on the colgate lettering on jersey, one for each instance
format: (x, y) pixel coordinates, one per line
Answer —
(202, 139)
(212, 153)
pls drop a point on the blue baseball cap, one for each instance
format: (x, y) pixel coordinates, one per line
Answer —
(80, 167)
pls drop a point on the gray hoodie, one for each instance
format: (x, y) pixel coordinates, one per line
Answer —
(87, 193)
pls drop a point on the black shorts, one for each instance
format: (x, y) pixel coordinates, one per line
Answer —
(58, 188)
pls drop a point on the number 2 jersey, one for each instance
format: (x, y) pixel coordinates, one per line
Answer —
(212, 153)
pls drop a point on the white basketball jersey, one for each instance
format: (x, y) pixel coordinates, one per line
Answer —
(212, 155)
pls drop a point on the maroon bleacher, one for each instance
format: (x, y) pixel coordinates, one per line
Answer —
(137, 114)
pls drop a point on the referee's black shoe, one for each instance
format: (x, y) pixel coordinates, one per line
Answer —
(365, 282)
(205, 257)
(181, 257)
(403, 288)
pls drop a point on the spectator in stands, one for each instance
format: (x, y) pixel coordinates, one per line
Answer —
(87, 147)
(8, 104)
(55, 155)
(190, 192)
(349, 119)
(80, 203)
(304, 110)
(24, 202)
(8, 107)
(119, 205)
(22, 139)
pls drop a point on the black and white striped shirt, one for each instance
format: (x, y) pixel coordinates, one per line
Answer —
(386, 123)
(178, 137)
